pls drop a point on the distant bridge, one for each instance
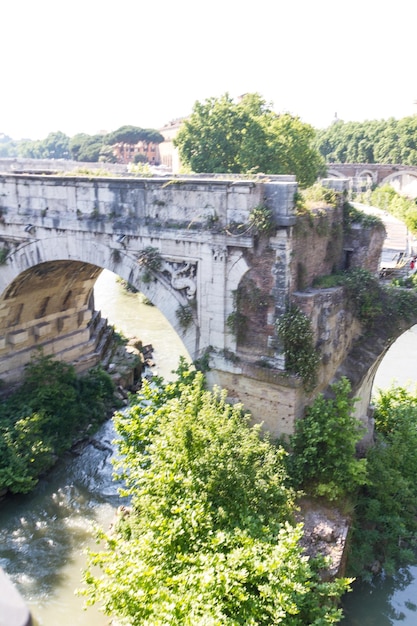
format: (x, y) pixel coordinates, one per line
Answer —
(402, 177)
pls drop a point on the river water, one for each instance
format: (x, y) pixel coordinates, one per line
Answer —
(44, 535)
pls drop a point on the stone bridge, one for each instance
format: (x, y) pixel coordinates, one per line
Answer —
(201, 250)
(402, 177)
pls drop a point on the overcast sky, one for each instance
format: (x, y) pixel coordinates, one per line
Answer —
(90, 65)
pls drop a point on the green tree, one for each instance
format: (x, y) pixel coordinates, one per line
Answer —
(385, 523)
(132, 135)
(44, 417)
(224, 136)
(323, 459)
(210, 538)
(375, 141)
(86, 148)
(54, 146)
(8, 147)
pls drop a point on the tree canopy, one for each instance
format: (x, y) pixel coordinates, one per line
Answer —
(132, 135)
(224, 136)
(80, 147)
(375, 141)
(210, 538)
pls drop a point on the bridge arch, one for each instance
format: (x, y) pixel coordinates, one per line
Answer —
(47, 283)
(46, 300)
(399, 174)
(364, 359)
(332, 173)
(368, 176)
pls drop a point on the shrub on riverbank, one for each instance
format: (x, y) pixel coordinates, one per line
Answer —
(211, 537)
(385, 529)
(45, 416)
(323, 458)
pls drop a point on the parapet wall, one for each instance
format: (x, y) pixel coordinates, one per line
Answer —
(189, 202)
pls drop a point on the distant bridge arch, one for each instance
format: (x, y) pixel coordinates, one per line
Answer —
(402, 177)
(411, 173)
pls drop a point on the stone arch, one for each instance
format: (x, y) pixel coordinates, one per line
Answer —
(399, 174)
(361, 364)
(403, 181)
(160, 292)
(45, 299)
(332, 173)
(368, 175)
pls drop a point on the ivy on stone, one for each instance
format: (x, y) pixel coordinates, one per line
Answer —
(301, 357)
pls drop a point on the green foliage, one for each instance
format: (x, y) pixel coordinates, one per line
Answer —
(372, 141)
(323, 460)
(364, 292)
(385, 528)
(351, 215)
(329, 281)
(90, 172)
(4, 251)
(405, 209)
(95, 148)
(185, 316)
(133, 135)
(45, 416)
(237, 322)
(372, 302)
(150, 260)
(210, 538)
(119, 337)
(223, 136)
(317, 194)
(262, 220)
(301, 357)
(140, 169)
(54, 146)
(86, 148)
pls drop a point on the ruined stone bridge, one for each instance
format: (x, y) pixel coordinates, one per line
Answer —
(201, 250)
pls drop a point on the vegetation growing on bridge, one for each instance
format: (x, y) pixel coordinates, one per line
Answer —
(150, 260)
(4, 251)
(211, 537)
(45, 416)
(301, 357)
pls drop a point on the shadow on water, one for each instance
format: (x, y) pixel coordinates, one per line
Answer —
(384, 602)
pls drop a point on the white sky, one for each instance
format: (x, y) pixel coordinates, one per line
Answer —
(90, 65)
